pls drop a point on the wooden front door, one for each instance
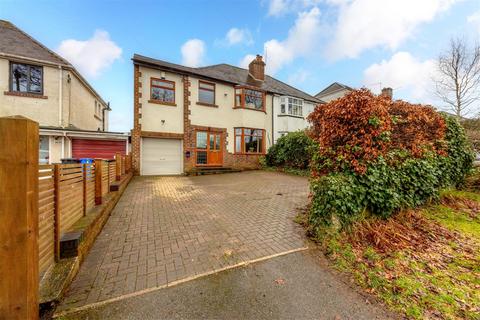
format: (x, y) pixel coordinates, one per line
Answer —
(209, 148)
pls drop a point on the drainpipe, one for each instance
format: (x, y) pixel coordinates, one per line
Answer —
(273, 120)
(69, 79)
(60, 97)
(63, 146)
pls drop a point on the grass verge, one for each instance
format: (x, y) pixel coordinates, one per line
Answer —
(423, 263)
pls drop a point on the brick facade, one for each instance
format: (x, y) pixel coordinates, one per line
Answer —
(187, 137)
(237, 161)
(137, 126)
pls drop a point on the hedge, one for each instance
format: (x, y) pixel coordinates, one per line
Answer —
(377, 156)
(293, 150)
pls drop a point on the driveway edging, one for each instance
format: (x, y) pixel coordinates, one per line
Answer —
(174, 283)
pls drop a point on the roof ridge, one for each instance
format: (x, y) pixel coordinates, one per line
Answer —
(308, 94)
(343, 86)
(271, 84)
(38, 43)
(273, 78)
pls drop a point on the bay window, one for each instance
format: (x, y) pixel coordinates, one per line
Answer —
(291, 106)
(249, 99)
(249, 141)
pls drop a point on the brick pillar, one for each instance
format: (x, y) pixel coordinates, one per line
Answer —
(137, 116)
(187, 129)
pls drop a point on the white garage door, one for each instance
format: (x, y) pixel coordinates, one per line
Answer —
(161, 156)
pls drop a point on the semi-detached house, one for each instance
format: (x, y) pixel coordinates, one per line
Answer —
(188, 118)
(38, 84)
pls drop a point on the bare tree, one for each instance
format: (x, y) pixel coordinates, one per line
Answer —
(458, 79)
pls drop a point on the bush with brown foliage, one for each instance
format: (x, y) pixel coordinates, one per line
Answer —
(380, 155)
(358, 128)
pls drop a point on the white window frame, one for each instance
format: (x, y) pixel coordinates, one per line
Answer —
(291, 106)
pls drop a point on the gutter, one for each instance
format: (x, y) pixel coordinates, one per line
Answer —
(97, 134)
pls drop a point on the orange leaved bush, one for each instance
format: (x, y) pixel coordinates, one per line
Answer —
(358, 128)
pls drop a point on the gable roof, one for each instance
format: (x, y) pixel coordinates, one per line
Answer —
(230, 74)
(334, 87)
(16, 43)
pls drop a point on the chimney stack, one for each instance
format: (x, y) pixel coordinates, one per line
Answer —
(387, 92)
(256, 68)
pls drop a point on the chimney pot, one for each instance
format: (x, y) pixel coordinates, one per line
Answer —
(387, 92)
(256, 68)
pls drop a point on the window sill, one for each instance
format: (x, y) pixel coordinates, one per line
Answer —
(291, 115)
(207, 104)
(249, 154)
(24, 94)
(97, 117)
(172, 104)
(250, 109)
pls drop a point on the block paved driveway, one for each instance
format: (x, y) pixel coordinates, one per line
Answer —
(165, 229)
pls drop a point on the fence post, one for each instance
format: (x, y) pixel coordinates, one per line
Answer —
(118, 166)
(18, 218)
(56, 188)
(98, 181)
(84, 175)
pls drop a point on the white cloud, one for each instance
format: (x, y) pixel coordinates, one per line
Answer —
(365, 24)
(300, 41)
(410, 78)
(238, 36)
(298, 77)
(91, 56)
(246, 60)
(474, 19)
(278, 8)
(193, 52)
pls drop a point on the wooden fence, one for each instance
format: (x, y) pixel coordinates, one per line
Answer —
(66, 193)
(46, 218)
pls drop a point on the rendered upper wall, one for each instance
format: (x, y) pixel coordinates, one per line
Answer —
(78, 102)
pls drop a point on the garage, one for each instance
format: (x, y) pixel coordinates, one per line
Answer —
(161, 156)
(97, 149)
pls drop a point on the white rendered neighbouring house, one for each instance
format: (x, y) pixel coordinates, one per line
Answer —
(333, 91)
(40, 85)
(215, 116)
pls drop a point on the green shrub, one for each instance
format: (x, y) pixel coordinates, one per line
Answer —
(389, 184)
(293, 150)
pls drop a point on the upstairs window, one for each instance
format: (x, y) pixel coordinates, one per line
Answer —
(249, 99)
(206, 92)
(162, 90)
(291, 106)
(248, 140)
(26, 78)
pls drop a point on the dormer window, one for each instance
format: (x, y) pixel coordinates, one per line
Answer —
(291, 106)
(249, 99)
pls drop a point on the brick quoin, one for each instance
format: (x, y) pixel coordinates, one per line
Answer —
(237, 161)
(137, 127)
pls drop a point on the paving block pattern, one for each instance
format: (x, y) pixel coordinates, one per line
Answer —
(165, 229)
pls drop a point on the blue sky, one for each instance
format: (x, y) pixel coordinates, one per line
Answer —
(307, 43)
